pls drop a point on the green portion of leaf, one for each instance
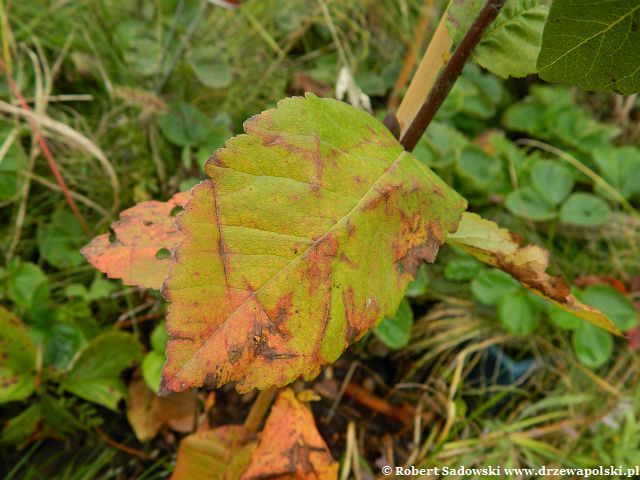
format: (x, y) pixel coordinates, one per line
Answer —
(11, 164)
(440, 145)
(185, 125)
(585, 209)
(211, 70)
(595, 45)
(621, 168)
(526, 202)
(152, 369)
(418, 286)
(140, 46)
(59, 241)
(613, 304)
(27, 284)
(304, 239)
(95, 372)
(518, 313)
(551, 180)
(19, 428)
(593, 346)
(510, 46)
(479, 169)
(563, 319)
(159, 337)
(490, 286)
(395, 331)
(475, 94)
(17, 359)
(462, 269)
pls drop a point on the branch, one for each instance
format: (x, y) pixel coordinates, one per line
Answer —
(450, 73)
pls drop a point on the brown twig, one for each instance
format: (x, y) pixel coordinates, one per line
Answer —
(125, 448)
(450, 73)
(47, 153)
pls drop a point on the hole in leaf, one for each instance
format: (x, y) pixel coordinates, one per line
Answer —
(148, 223)
(176, 210)
(112, 235)
(163, 253)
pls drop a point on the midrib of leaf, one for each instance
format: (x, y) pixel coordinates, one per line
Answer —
(588, 39)
(302, 255)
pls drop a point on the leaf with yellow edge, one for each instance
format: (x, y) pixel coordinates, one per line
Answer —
(501, 248)
(305, 238)
(220, 454)
(144, 237)
(290, 447)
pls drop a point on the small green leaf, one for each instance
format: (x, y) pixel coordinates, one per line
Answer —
(185, 125)
(18, 429)
(613, 304)
(212, 70)
(95, 372)
(152, 369)
(478, 168)
(59, 241)
(418, 286)
(17, 359)
(395, 331)
(585, 209)
(490, 286)
(551, 180)
(139, 46)
(518, 313)
(562, 318)
(11, 164)
(593, 346)
(159, 337)
(595, 45)
(462, 269)
(528, 203)
(621, 168)
(26, 283)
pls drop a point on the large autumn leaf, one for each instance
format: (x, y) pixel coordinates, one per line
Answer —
(290, 447)
(306, 237)
(134, 253)
(528, 264)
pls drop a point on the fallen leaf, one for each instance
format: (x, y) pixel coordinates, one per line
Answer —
(304, 239)
(143, 233)
(219, 454)
(148, 414)
(290, 446)
(501, 248)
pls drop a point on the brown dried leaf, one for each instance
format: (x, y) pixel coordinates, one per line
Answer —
(501, 248)
(219, 454)
(148, 414)
(290, 446)
(142, 232)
